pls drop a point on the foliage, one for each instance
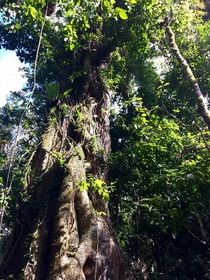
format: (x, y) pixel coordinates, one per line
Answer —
(160, 146)
(160, 155)
(97, 186)
(162, 169)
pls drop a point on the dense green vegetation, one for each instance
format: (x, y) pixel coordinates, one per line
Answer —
(160, 157)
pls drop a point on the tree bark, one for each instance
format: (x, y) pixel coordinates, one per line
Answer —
(201, 101)
(59, 232)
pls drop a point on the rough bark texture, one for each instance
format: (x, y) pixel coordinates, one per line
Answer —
(58, 233)
(201, 101)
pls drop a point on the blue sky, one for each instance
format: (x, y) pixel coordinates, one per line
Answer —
(11, 78)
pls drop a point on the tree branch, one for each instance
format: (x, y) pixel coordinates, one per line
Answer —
(200, 99)
(195, 237)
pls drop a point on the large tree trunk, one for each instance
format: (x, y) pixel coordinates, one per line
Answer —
(59, 231)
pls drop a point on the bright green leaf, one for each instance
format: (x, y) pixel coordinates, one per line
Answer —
(131, 1)
(33, 12)
(122, 14)
(99, 183)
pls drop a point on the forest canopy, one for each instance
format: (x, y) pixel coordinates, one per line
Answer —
(105, 153)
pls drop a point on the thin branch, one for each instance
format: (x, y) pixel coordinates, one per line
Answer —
(203, 231)
(194, 236)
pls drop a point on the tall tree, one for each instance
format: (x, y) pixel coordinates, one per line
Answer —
(61, 228)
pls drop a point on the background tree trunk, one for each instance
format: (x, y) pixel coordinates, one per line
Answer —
(202, 102)
(58, 232)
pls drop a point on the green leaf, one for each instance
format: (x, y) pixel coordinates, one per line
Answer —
(65, 93)
(33, 12)
(41, 96)
(101, 213)
(131, 1)
(52, 90)
(99, 183)
(84, 186)
(123, 15)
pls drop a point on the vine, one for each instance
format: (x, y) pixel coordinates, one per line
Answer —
(7, 185)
